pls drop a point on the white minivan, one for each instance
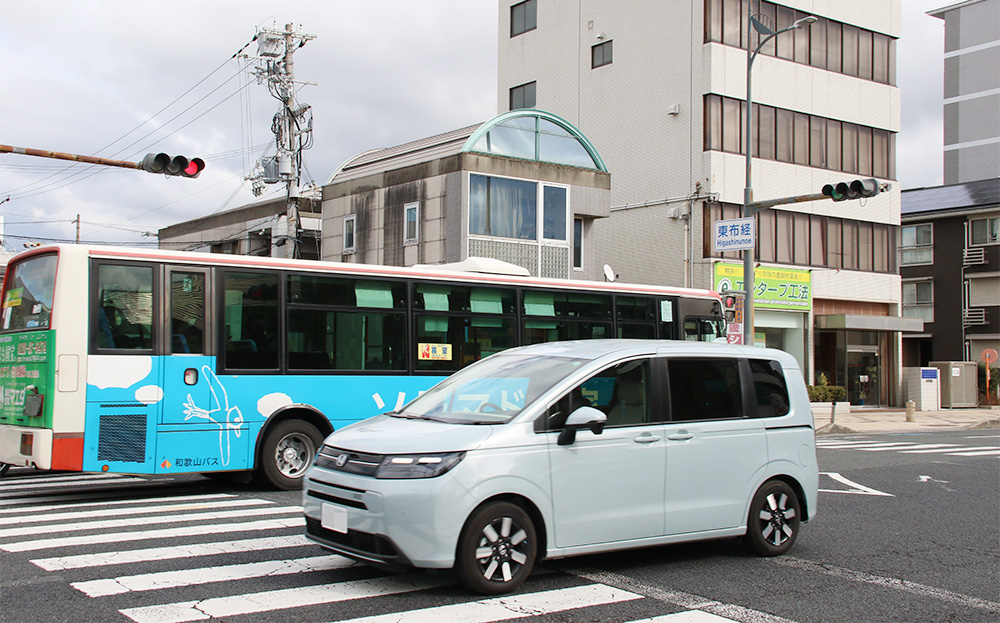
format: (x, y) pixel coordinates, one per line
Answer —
(569, 448)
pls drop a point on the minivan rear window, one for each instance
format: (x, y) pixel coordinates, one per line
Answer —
(769, 386)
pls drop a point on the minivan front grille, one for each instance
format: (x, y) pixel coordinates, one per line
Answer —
(340, 460)
(372, 544)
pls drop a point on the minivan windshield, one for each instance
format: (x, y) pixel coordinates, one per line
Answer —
(491, 391)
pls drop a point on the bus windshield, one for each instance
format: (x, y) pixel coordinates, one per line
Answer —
(27, 298)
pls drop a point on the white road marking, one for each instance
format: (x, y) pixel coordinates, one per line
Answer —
(857, 489)
(993, 452)
(922, 446)
(207, 575)
(731, 612)
(511, 606)
(49, 477)
(688, 616)
(94, 480)
(923, 590)
(140, 535)
(143, 521)
(28, 509)
(269, 601)
(30, 517)
(103, 559)
(949, 450)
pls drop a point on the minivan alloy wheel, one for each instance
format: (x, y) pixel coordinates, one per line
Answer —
(774, 519)
(497, 549)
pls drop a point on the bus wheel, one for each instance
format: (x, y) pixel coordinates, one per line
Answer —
(287, 452)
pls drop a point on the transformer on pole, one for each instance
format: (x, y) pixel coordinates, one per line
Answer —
(292, 124)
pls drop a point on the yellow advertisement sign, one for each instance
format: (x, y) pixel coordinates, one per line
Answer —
(773, 288)
(433, 352)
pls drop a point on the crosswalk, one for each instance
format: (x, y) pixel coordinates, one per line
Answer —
(909, 447)
(203, 556)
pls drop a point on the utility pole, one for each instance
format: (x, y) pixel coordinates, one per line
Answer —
(292, 124)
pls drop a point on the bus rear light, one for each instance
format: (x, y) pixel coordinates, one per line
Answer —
(27, 441)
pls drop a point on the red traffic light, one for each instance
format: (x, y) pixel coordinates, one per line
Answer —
(172, 165)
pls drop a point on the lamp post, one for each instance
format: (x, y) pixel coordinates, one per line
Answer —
(767, 34)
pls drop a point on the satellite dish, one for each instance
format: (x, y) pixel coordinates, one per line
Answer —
(609, 275)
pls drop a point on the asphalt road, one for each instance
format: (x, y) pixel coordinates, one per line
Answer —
(907, 531)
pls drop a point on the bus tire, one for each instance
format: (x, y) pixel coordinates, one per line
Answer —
(287, 452)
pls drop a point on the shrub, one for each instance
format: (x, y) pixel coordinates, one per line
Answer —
(823, 392)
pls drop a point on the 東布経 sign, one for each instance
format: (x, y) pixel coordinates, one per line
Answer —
(733, 234)
(773, 288)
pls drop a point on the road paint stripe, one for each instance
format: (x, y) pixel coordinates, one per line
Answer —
(510, 607)
(28, 479)
(949, 450)
(994, 452)
(83, 481)
(857, 489)
(103, 559)
(866, 446)
(71, 505)
(164, 533)
(207, 575)
(923, 590)
(729, 612)
(928, 446)
(121, 512)
(688, 616)
(283, 599)
(143, 521)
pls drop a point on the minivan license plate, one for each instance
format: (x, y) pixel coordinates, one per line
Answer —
(334, 518)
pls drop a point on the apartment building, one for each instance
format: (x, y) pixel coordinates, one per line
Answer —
(660, 90)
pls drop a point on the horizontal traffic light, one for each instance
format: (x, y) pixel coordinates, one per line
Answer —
(172, 165)
(842, 191)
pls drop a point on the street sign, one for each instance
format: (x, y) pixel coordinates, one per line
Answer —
(733, 234)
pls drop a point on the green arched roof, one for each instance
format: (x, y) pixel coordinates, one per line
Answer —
(535, 135)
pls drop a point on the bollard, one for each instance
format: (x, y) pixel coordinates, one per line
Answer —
(833, 413)
(909, 411)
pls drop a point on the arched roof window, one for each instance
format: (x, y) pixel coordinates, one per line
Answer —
(535, 135)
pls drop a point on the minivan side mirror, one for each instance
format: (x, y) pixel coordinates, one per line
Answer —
(584, 417)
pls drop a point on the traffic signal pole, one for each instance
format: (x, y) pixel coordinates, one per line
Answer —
(27, 151)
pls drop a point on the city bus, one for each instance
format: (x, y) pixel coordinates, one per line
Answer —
(159, 362)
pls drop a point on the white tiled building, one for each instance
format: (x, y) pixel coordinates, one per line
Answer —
(658, 88)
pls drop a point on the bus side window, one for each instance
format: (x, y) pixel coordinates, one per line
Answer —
(125, 307)
(187, 312)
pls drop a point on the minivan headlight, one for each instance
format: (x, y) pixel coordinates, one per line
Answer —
(417, 465)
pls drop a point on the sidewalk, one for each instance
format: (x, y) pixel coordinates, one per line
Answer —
(893, 420)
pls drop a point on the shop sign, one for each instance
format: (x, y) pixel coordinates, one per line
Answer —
(773, 288)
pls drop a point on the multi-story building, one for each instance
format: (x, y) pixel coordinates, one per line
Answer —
(971, 90)
(660, 89)
(950, 265)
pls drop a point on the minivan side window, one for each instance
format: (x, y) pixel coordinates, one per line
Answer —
(704, 389)
(622, 392)
(769, 386)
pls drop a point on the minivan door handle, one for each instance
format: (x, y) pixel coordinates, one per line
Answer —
(683, 436)
(647, 438)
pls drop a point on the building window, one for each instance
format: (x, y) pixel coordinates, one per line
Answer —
(350, 229)
(508, 208)
(523, 17)
(984, 230)
(600, 55)
(578, 243)
(918, 300)
(826, 44)
(411, 213)
(916, 245)
(808, 140)
(522, 96)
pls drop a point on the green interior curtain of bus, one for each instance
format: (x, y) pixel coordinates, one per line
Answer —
(539, 304)
(373, 294)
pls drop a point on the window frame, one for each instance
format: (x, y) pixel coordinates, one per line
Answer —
(520, 91)
(991, 238)
(601, 54)
(350, 233)
(917, 245)
(411, 237)
(519, 24)
(924, 305)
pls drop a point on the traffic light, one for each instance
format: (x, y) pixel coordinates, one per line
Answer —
(842, 191)
(176, 165)
(731, 299)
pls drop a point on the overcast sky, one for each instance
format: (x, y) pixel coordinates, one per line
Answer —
(118, 79)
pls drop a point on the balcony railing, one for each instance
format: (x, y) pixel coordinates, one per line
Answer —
(974, 317)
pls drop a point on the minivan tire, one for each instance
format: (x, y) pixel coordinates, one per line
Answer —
(286, 453)
(497, 549)
(773, 521)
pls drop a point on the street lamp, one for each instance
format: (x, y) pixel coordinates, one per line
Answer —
(767, 34)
